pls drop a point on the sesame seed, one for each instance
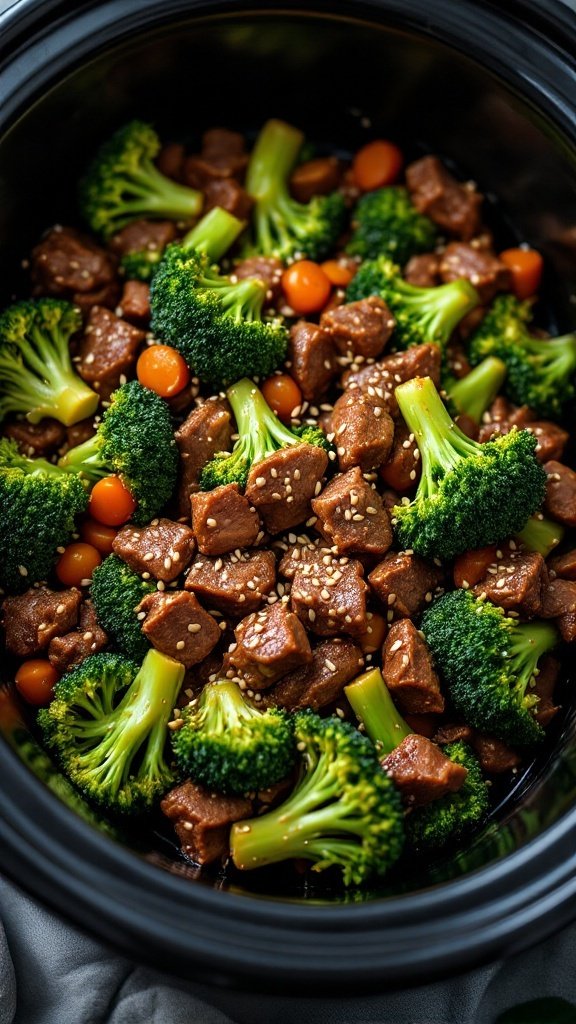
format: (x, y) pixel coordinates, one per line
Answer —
(260, 481)
(211, 522)
(193, 627)
(180, 645)
(330, 665)
(395, 646)
(60, 609)
(391, 598)
(311, 614)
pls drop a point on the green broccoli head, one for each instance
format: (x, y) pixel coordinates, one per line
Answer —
(344, 812)
(386, 223)
(140, 265)
(422, 315)
(470, 494)
(123, 184)
(474, 393)
(230, 746)
(134, 440)
(540, 371)
(116, 592)
(445, 820)
(39, 507)
(281, 226)
(107, 725)
(260, 433)
(489, 663)
(36, 374)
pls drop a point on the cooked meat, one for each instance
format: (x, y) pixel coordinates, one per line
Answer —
(331, 599)
(363, 431)
(163, 548)
(408, 671)
(80, 432)
(453, 207)
(108, 351)
(177, 625)
(423, 270)
(402, 469)
(223, 519)
(202, 819)
(315, 178)
(453, 733)
(205, 431)
(170, 160)
(36, 439)
(264, 268)
(313, 359)
(515, 582)
(561, 493)
(143, 236)
(65, 652)
(559, 603)
(135, 302)
(269, 644)
(228, 194)
(382, 377)
(405, 583)
(551, 438)
(67, 264)
(302, 552)
(235, 584)
(421, 771)
(494, 756)
(223, 156)
(31, 620)
(351, 516)
(479, 266)
(359, 328)
(334, 663)
(544, 687)
(281, 486)
(564, 565)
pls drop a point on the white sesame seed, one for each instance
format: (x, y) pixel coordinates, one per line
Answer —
(211, 522)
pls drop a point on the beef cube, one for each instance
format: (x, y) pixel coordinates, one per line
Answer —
(564, 565)
(223, 156)
(359, 328)
(543, 688)
(515, 582)
(316, 177)
(351, 516)
(65, 652)
(551, 438)
(202, 820)
(269, 644)
(457, 732)
(143, 236)
(384, 376)
(228, 194)
(560, 500)
(79, 432)
(402, 469)
(301, 553)
(423, 270)
(68, 265)
(32, 619)
(223, 519)
(363, 431)
(494, 756)
(108, 350)
(331, 599)
(559, 603)
(421, 771)
(479, 266)
(205, 431)
(170, 160)
(408, 671)
(36, 439)
(264, 268)
(234, 584)
(177, 625)
(135, 302)
(453, 207)
(405, 583)
(280, 487)
(163, 548)
(313, 359)
(334, 663)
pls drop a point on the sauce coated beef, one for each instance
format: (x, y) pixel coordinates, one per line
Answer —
(177, 625)
(351, 516)
(205, 431)
(422, 772)
(268, 644)
(69, 265)
(108, 351)
(455, 208)
(362, 430)
(281, 486)
(33, 619)
(235, 584)
(359, 328)
(223, 519)
(69, 650)
(312, 355)
(163, 549)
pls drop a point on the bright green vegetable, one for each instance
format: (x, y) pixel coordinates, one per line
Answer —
(474, 393)
(116, 591)
(386, 223)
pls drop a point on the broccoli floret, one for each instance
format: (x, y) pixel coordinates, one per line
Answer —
(489, 662)
(39, 505)
(372, 704)
(214, 321)
(123, 184)
(230, 746)
(36, 374)
(470, 494)
(141, 265)
(541, 535)
(344, 812)
(134, 440)
(281, 226)
(475, 392)
(540, 371)
(107, 724)
(423, 315)
(260, 433)
(386, 223)
(447, 819)
(116, 592)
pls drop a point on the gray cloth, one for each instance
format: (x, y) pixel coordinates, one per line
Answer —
(51, 973)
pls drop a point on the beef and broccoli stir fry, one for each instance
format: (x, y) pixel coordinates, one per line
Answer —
(284, 540)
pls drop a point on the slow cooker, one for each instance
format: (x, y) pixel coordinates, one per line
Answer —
(491, 89)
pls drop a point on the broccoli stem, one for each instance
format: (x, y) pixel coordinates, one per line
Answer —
(373, 706)
(442, 444)
(54, 390)
(272, 159)
(478, 389)
(529, 643)
(255, 419)
(541, 535)
(154, 193)
(556, 356)
(441, 308)
(214, 234)
(223, 705)
(86, 458)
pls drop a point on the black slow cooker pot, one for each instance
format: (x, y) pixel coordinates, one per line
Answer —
(491, 88)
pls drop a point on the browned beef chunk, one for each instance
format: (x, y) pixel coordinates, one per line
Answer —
(515, 582)
(68, 265)
(494, 756)
(65, 652)
(234, 584)
(544, 686)
(315, 178)
(331, 599)
(422, 772)
(32, 619)
(135, 302)
(170, 160)
(467, 425)
(382, 377)
(453, 733)
(269, 644)
(408, 671)
(223, 519)
(423, 270)
(36, 439)
(479, 266)
(281, 486)
(551, 438)
(163, 548)
(143, 236)
(405, 583)
(561, 493)
(363, 431)
(205, 431)
(334, 663)
(223, 156)
(559, 603)
(351, 516)
(453, 207)
(300, 553)
(402, 469)
(359, 328)
(264, 268)
(80, 432)
(202, 819)
(177, 625)
(228, 194)
(108, 350)
(313, 359)
(564, 565)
